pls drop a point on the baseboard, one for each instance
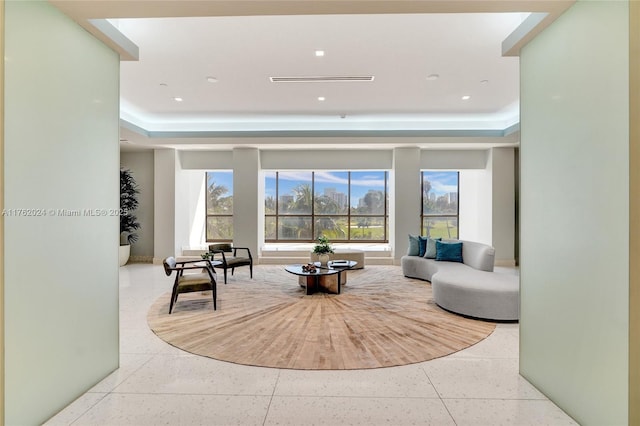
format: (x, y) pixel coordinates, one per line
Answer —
(141, 259)
(505, 262)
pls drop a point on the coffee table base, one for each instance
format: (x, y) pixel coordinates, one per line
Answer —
(323, 283)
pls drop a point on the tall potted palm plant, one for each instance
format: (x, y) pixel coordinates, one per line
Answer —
(128, 221)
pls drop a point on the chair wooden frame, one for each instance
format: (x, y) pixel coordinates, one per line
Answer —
(206, 280)
(233, 262)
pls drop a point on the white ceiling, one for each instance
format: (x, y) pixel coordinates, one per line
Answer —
(176, 55)
(243, 42)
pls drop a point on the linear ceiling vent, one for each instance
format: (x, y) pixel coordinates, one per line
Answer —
(323, 79)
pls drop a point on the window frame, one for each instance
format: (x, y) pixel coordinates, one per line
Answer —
(424, 215)
(384, 216)
(206, 208)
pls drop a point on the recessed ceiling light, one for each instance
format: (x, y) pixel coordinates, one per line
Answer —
(178, 99)
(484, 81)
(466, 97)
(432, 77)
(321, 98)
(319, 53)
(212, 79)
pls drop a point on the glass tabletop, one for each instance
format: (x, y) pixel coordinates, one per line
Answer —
(320, 270)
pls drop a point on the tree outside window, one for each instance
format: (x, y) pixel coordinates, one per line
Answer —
(440, 194)
(341, 205)
(219, 206)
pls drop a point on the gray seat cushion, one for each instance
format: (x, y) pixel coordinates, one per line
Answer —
(479, 294)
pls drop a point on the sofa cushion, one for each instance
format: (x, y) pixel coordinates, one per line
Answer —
(430, 252)
(414, 245)
(449, 252)
(423, 245)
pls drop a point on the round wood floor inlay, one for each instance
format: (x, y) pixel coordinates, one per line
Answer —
(381, 319)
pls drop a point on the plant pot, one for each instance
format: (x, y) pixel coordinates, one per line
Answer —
(323, 258)
(125, 251)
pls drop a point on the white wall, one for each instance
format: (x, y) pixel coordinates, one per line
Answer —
(475, 206)
(503, 211)
(190, 209)
(205, 160)
(165, 162)
(343, 159)
(479, 179)
(468, 159)
(141, 166)
(574, 212)
(61, 152)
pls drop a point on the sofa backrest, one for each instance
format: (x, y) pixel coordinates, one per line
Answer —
(477, 255)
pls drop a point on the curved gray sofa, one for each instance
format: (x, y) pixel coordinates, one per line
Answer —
(470, 288)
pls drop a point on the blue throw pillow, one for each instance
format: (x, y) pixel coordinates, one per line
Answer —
(414, 246)
(430, 252)
(423, 245)
(449, 252)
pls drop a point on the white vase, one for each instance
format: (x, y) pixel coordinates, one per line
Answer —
(124, 253)
(323, 258)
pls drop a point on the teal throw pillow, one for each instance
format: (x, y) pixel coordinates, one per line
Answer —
(430, 252)
(449, 252)
(414, 246)
(423, 245)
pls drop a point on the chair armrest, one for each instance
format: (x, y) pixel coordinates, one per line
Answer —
(215, 251)
(181, 268)
(183, 262)
(243, 248)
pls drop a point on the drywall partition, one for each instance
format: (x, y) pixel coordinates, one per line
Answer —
(634, 214)
(2, 366)
(141, 166)
(574, 212)
(61, 159)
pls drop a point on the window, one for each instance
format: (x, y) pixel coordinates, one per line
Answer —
(440, 204)
(343, 206)
(219, 206)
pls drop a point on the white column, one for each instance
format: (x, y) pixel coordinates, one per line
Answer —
(404, 200)
(248, 222)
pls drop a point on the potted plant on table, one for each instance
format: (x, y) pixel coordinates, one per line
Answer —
(128, 221)
(323, 249)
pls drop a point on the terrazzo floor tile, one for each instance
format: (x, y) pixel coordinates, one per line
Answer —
(337, 411)
(406, 381)
(76, 409)
(160, 384)
(479, 378)
(141, 341)
(497, 412)
(184, 410)
(502, 343)
(199, 375)
(129, 363)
